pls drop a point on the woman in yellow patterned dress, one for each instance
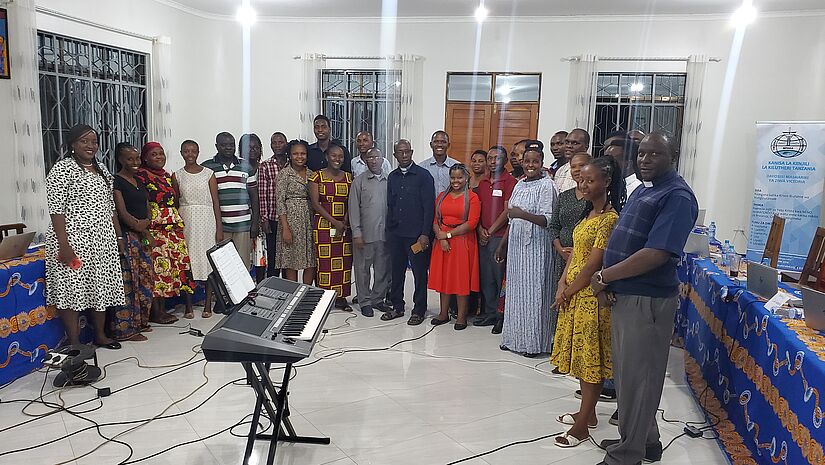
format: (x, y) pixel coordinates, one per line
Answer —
(328, 194)
(581, 346)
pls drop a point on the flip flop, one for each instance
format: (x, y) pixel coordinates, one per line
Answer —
(568, 419)
(572, 441)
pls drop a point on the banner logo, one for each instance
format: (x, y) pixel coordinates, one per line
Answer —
(789, 144)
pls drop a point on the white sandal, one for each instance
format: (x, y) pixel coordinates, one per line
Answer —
(572, 441)
(568, 419)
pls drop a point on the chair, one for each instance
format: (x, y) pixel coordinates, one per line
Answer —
(6, 229)
(813, 264)
(774, 242)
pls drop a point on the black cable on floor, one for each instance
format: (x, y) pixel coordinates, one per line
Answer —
(516, 443)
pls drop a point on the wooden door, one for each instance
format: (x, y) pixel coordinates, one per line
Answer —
(468, 125)
(513, 122)
(474, 126)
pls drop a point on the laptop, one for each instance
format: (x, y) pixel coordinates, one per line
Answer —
(764, 282)
(814, 308)
(15, 246)
(698, 244)
(700, 218)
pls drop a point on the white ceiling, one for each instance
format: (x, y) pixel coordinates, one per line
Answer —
(524, 8)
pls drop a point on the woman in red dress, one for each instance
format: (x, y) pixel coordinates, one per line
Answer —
(454, 263)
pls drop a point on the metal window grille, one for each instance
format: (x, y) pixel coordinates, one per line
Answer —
(645, 101)
(363, 100)
(85, 82)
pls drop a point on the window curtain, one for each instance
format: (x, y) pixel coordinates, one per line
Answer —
(582, 95)
(310, 95)
(412, 75)
(691, 122)
(161, 93)
(27, 141)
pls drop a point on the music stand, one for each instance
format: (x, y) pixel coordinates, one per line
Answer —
(268, 396)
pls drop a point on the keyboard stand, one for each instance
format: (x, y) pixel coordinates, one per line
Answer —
(257, 374)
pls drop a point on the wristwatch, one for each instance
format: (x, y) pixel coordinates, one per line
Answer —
(449, 235)
(599, 278)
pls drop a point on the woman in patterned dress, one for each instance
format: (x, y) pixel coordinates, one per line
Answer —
(566, 216)
(132, 202)
(82, 266)
(170, 255)
(582, 342)
(201, 214)
(527, 246)
(295, 246)
(329, 194)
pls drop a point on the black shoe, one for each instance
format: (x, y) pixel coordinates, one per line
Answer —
(367, 311)
(391, 315)
(503, 347)
(114, 345)
(485, 321)
(529, 355)
(607, 395)
(614, 419)
(382, 307)
(498, 327)
(355, 300)
(415, 320)
(437, 322)
(653, 452)
(460, 326)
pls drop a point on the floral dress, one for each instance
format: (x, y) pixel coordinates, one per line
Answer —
(170, 255)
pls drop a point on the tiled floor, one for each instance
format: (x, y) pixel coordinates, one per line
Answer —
(439, 399)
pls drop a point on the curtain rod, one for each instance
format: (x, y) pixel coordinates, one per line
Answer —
(353, 57)
(57, 14)
(575, 58)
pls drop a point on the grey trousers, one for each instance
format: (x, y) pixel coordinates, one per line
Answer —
(641, 330)
(372, 259)
(490, 276)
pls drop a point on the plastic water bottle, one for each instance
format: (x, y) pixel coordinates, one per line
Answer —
(724, 251)
(712, 234)
(733, 261)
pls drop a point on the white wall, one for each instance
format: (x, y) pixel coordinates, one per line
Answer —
(779, 74)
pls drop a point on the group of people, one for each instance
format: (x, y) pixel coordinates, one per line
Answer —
(577, 260)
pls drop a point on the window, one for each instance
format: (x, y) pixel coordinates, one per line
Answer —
(648, 102)
(85, 82)
(493, 87)
(363, 100)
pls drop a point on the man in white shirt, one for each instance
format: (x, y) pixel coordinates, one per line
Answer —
(625, 152)
(364, 142)
(577, 141)
(440, 163)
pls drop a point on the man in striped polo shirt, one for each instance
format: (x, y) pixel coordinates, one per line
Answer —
(237, 195)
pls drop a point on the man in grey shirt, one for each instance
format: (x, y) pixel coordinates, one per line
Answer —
(440, 163)
(367, 216)
(364, 142)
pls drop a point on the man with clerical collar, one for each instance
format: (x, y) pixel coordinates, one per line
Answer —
(364, 143)
(639, 279)
(317, 155)
(440, 163)
(410, 214)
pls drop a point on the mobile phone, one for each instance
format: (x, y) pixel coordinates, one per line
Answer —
(416, 248)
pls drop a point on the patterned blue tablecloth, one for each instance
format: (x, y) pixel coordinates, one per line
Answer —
(757, 376)
(27, 328)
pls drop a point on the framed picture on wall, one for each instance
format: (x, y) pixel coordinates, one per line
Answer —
(5, 67)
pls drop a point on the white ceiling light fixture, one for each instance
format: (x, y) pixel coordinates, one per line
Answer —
(246, 15)
(744, 15)
(481, 12)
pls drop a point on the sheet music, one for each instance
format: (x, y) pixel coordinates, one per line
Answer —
(232, 272)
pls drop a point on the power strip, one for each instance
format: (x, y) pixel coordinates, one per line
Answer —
(54, 359)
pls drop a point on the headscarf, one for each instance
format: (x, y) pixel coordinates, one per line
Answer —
(144, 153)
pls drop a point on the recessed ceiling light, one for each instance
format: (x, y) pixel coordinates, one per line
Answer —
(246, 15)
(481, 13)
(744, 15)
